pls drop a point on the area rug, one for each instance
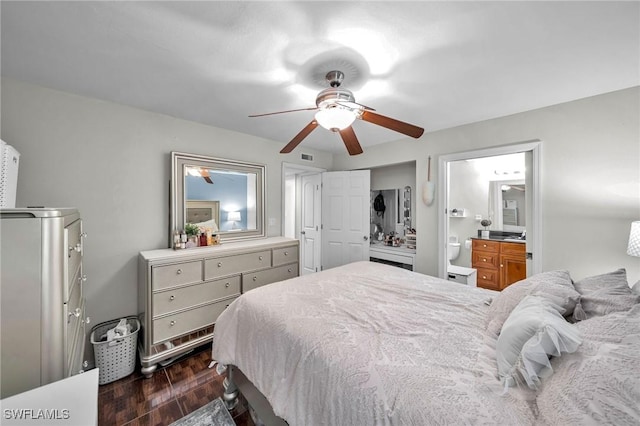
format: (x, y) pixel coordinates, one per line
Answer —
(212, 414)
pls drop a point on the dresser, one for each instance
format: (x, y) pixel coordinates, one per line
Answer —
(181, 293)
(499, 264)
(42, 306)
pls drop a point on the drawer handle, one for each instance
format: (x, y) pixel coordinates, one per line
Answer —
(179, 271)
(289, 270)
(286, 253)
(484, 260)
(255, 278)
(172, 323)
(227, 285)
(219, 264)
(85, 364)
(259, 257)
(76, 313)
(172, 297)
(484, 245)
(484, 277)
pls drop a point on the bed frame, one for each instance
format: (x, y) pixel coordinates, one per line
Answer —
(236, 382)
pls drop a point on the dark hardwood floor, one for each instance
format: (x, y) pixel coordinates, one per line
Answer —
(173, 392)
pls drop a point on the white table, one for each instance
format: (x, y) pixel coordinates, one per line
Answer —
(71, 401)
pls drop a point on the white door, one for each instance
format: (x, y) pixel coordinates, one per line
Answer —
(310, 235)
(345, 217)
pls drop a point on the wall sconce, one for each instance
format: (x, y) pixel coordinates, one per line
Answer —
(234, 217)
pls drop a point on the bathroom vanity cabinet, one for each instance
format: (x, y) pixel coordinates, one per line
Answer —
(499, 264)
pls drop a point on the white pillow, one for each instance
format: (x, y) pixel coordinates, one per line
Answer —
(551, 283)
(534, 330)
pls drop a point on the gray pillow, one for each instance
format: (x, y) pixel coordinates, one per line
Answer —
(606, 293)
(600, 382)
(553, 285)
(534, 331)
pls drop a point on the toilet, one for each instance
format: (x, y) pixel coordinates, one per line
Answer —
(459, 274)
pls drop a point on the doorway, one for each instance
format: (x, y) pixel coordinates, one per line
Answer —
(531, 209)
(328, 212)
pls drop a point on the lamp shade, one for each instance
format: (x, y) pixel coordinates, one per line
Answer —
(335, 118)
(633, 249)
(233, 216)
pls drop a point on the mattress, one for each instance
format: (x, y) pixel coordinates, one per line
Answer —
(367, 343)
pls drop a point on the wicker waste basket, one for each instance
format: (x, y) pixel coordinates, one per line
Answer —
(116, 358)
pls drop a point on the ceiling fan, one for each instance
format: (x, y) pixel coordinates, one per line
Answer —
(336, 110)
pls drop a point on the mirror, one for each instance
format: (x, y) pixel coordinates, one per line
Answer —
(223, 196)
(507, 205)
(396, 216)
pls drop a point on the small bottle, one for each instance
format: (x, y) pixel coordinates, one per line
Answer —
(176, 240)
(209, 239)
(203, 239)
(183, 240)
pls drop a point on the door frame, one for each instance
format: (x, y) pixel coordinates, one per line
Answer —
(298, 170)
(534, 237)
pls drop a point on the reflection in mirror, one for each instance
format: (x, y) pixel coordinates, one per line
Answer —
(222, 196)
(507, 205)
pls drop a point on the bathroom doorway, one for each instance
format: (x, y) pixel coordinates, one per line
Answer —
(464, 222)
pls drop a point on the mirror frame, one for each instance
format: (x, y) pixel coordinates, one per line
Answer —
(178, 208)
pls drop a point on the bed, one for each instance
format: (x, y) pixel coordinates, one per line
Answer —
(369, 344)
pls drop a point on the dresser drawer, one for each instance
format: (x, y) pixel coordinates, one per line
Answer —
(260, 278)
(176, 325)
(486, 245)
(231, 265)
(184, 297)
(481, 259)
(75, 356)
(176, 274)
(73, 243)
(282, 256)
(74, 314)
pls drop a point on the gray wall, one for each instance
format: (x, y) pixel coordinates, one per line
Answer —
(590, 178)
(113, 163)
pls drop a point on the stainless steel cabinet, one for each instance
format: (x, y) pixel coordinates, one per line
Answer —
(42, 302)
(182, 292)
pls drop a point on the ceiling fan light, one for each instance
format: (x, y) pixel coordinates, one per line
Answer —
(335, 118)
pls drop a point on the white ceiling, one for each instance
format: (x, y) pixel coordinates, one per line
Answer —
(433, 64)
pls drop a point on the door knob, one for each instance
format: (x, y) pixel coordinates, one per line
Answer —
(365, 238)
(302, 233)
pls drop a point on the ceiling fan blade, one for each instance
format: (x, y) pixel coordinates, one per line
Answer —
(282, 112)
(299, 137)
(392, 124)
(205, 175)
(351, 141)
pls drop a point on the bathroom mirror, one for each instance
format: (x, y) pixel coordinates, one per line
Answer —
(224, 196)
(507, 205)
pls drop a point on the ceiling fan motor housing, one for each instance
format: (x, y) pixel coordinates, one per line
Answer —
(333, 95)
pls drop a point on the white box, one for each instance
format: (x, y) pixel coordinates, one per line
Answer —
(9, 162)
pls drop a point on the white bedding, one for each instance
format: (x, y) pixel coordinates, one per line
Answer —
(367, 344)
